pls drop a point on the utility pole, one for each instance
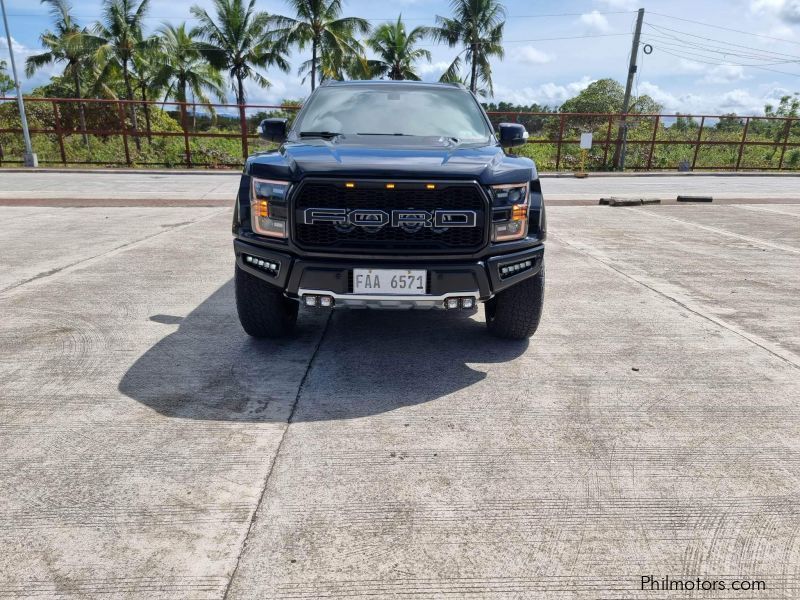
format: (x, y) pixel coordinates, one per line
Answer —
(623, 127)
(30, 158)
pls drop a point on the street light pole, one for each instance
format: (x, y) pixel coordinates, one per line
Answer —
(30, 158)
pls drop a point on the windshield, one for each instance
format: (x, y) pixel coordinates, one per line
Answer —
(390, 110)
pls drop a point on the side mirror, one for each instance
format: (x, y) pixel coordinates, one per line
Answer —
(512, 134)
(273, 130)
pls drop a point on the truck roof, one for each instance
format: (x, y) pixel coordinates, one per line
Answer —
(403, 82)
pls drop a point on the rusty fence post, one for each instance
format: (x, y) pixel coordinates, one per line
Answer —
(243, 121)
(699, 139)
(59, 133)
(785, 142)
(560, 138)
(653, 142)
(608, 139)
(124, 131)
(186, 149)
(741, 144)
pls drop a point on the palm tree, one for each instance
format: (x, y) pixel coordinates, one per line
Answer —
(339, 62)
(331, 36)
(6, 83)
(119, 35)
(239, 42)
(68, 44)
(453, 75)
(478, 26)
(184, 68)
(146, 70)
(396, 51)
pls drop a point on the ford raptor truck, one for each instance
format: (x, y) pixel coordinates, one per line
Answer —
(390, 194)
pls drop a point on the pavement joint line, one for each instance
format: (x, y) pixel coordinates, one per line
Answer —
(785, 355)
(768, 210)
(114, 251)
(745, 238)
(277, 453)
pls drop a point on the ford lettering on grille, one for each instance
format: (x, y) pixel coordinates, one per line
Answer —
(409, 219)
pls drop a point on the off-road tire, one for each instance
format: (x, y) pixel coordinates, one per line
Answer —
(514, 313)
(264, 311)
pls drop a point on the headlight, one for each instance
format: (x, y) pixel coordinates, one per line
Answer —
(510, 211)
(268, 207)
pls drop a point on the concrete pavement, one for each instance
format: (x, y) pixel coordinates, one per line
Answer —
(151, 450)
(214, 188)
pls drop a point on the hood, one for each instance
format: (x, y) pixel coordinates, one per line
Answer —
(318, 157)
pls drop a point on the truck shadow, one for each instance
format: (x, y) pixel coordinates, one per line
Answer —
(368, 362)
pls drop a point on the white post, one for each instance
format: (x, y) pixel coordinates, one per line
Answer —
(31, 160)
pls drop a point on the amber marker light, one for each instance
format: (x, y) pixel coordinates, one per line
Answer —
(263, 208)
(389, 186)
(349, 184)
(430, 186)
(519, 212)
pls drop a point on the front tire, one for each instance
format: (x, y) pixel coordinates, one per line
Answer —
(514, 313)
(264, 311)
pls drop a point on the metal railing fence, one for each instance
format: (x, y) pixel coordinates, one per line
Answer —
(68, 131)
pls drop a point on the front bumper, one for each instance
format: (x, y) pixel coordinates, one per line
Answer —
(479, 279)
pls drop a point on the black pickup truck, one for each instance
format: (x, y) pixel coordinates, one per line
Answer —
(390, 194)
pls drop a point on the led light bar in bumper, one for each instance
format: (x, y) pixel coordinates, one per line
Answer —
(268, 266)
(514, 268)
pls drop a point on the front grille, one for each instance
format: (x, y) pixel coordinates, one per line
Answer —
(374, 195)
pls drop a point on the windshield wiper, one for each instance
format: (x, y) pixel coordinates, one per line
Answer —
(322, 134)
(398, 134)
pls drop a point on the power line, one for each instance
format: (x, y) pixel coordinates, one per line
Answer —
(719, 64)
(677, 48)
(724, 52)
(547, 39)
(374, 19)
(708, 39)
(769, 37)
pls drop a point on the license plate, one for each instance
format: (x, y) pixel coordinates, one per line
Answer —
(390, 281)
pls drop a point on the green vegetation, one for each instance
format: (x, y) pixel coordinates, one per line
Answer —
(6, 83)
(396, 50)
(334, 48)
(477, 25)
(237, 41)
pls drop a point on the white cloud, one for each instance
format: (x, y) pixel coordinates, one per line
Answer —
(550, 94)
(595, 21)
(21, 53)
(531, 56)
(690, 66)
(620, 4)
(283, 86)
(18, 48)
(724, 74)
(740, 101)
(428, 68)
(788, 10)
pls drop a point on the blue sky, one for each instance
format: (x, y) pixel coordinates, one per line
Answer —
(692, 68)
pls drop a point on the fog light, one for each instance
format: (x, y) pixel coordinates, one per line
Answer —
(467, 303)
(310, 300)
(326, 301)
(451, 303)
